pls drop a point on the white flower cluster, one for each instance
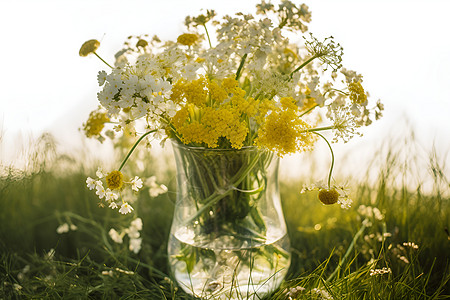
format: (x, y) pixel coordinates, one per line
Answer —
(378, 272)
(411, 245)
(369, 214)
(316, 293)
(133, 233)
(294, 292)
(111, 196)
(343, 195)
(321, 294)
(155, 189)
(65, 227)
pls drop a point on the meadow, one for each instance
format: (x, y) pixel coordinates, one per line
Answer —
(393, 243)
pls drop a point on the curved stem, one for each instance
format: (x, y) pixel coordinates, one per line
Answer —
(103, 60)
(302, 65)
(332, 158)
(309, 110)
(207, 34)
(134, 147)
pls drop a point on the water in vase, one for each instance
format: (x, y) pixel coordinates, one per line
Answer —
(229, 267)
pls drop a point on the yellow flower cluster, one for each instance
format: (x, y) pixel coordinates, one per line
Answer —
(187, 39)
(357, 93)
(95, 123)
(194, 91)
(222, 113)
(283, 131)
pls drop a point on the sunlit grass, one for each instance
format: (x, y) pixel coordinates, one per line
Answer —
(334, 254)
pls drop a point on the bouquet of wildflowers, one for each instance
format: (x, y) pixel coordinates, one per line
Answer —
(246, 85)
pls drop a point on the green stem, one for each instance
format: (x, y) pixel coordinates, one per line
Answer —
(207, 34)
(350, 248)
(134, 147)
(332, 158)
(302, 65)
(319, 129)
(220, 194)
(103, 60)
(309, 110)
(239, 70)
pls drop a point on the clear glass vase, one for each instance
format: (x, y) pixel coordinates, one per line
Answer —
(228, 238)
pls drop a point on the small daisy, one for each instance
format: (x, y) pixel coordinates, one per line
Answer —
(330, 194)
(136, 184)
(125, 208)
(100, 173)
(91, 183)
(110, 195)
(101, 193)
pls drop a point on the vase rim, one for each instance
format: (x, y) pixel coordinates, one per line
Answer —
(194, 148)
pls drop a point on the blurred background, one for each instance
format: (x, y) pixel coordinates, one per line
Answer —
(399, 166)
(400, 47)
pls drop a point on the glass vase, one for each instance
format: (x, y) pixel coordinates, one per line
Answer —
(228, 237)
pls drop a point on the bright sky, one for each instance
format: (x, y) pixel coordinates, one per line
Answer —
(401, 48)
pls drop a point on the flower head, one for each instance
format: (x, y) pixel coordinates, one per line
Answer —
(187, 39)
(328, 196)
(89, 47)
(95, 123)
(114, 180)
(357, 93)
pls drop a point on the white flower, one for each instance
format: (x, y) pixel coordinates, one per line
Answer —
(411, 244)
(100, 173)
(377, 272)
(113, 205)
(91, 183)
(50, 254)
(330, 195)
(110, 195)
(136, 183)
(115, 236)
(101, 193)
(125, 208)
(154, 188)
(137, 223)
(63, 228)
(133, 233)
(135, 245)
(107, 273)
(73, 227)
(101, 77)
(322, 294)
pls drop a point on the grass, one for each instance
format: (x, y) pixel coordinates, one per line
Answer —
(333, 253)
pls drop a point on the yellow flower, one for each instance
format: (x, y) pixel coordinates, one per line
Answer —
(89, 47)
(194, 91)
(95, 123)
(114, 180)
(283, 131)
(328, 196)
(357, 93)
(217, 92)
(187, 39)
